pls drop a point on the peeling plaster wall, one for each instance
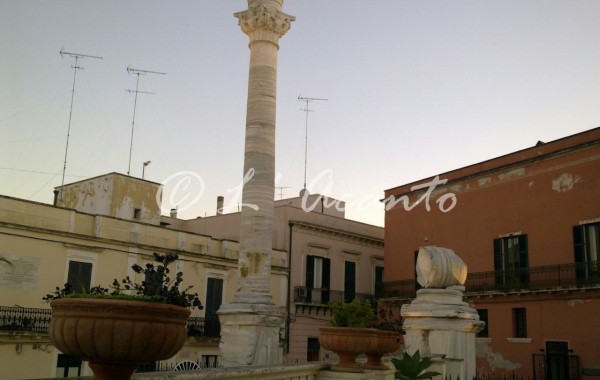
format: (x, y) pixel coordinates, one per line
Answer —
(542, 192)
(93, 196)
(113, 195)
(131, 193)
(493, 360)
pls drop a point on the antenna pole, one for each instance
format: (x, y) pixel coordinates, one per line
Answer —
(307, 110)
(75, 68)
(137, 82)
(281, 191)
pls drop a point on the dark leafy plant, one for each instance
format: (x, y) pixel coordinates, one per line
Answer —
(413, 367)
(386, 321)
(158, 286)
(352, 314)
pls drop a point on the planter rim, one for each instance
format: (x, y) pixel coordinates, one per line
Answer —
(347, 329)
(94, 307)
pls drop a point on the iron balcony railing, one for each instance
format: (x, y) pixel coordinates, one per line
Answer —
(320, 296)
(17, 319)
(208, 327)
(572, 275)
(548, 367)
(24, 319)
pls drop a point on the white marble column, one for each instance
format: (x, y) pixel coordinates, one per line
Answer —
(250, 323)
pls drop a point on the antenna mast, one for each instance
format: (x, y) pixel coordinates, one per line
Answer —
(137, 72)
(307, 110)
(281, 192)
(77, 56)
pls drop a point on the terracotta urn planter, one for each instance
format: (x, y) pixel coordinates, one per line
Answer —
(348, 343)
(116, 336)
(387, 342)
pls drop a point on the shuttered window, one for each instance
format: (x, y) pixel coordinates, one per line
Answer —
(318, 279)
(349, 280)
(511, 262)
(80, 276)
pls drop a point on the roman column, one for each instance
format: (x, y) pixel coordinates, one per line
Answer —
(250, 324)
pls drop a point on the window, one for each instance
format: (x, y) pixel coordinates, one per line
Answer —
(586, 240)
(379, 281)
(312, 351)
(137, 213)
(317, 279)
(210, 361)
(349, 280)
(519, 322)
(483, 316)
(68, 366)
(80, 275)
(511, 262)
(214, 299)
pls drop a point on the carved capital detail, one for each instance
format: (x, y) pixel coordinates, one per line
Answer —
(262, 23)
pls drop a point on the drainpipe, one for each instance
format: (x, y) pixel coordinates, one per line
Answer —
(287, 320)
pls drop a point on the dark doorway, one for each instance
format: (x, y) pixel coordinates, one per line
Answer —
(312, 352)
(557, 361)
(214, 298)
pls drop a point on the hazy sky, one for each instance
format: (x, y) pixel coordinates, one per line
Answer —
(414, 89)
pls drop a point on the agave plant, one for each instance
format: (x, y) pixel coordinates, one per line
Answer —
(413, 367)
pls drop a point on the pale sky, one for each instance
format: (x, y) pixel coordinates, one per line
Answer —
(414, 89)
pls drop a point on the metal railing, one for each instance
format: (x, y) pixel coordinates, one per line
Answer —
(572, 275)
(542, 365)
(209, 327)
(37, 320)
(320, 296)
(24, 319)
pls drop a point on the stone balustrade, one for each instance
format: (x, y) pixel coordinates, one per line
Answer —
(306, 371)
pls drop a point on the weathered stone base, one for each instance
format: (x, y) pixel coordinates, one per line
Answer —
(439, 323)
(250, 334)
(367, 375)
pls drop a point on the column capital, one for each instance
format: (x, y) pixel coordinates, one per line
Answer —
(264, 23)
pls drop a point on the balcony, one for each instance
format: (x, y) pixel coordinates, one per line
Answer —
(17, 320)
(320, 296)
(549, 277)
(23, 320)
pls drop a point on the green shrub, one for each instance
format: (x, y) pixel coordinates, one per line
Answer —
(352, 314)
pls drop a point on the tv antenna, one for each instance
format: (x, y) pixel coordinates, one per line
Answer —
(281, 191)
(307, 110)
(76, 56)
(137, 72)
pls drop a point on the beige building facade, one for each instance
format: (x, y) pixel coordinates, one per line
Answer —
(331, 259)
(318, 257)
(43, 246)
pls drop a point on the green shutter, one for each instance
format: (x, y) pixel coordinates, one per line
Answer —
(523, 256)
(310, 271)
(498, 258)
(578, 244)
(326, 270)
(349, 280)
(80, 276)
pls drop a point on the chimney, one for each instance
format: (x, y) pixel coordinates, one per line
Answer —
(220, 205)
(174, 212)
(55, 197)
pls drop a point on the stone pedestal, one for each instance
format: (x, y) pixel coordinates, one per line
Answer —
(368, 375)
(250, 334)
(438, 323)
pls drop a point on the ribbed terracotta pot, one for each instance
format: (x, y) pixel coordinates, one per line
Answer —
(347, 343)
(387, 342)
(116, 336)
